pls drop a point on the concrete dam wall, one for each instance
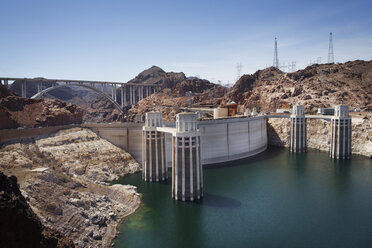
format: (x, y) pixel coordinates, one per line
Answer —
(231, 139)
(221, 140)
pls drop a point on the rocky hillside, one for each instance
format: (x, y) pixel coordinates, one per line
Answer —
(316, 86)
(176, 81)
(178, 91)
(16, 111)
(64, 179)
(19, 225)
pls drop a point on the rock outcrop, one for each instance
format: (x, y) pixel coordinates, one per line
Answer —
(19, 225)
(178, 91)
(16, 112)
(64, 179)
(314, 87)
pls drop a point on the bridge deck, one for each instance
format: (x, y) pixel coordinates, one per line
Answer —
(74, 81)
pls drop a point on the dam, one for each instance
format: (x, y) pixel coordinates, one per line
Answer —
(187, 145)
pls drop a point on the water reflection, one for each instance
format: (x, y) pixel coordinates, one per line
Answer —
(182, 211)
(270, 153)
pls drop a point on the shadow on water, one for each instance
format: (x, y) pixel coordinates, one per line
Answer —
(270, 153)
(216, 201)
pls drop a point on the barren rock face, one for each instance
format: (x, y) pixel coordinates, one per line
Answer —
(178, 92)
(19, 225)
(17, 111)
(64, 179)
(314, 87)
(90, 158)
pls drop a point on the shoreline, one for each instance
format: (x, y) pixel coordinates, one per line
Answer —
(64, 178)
(119, 223)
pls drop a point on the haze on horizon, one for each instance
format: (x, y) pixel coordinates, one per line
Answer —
(116, 40)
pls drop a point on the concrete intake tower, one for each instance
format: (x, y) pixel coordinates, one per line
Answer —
(341, 133)
(298, 130)
(187, 173)
(153, 147)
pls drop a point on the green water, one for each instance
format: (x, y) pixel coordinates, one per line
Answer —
(276, 199)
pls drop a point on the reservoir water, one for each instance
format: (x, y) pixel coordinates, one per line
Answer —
(275, 199)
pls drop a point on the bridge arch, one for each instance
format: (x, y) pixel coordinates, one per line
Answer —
(116, 105)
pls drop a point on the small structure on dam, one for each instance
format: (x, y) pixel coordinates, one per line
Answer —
(341, 133)
(298, 130)
(153, 149)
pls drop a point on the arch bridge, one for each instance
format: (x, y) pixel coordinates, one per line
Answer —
(129, 93)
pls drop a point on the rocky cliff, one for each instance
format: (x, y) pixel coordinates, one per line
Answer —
(19, 225)
(64, 179)
(316, 86)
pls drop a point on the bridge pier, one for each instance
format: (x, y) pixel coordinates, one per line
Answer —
(114, 92)
(139, 93)
(340, 147)
(133, 95)
(187, 173)
(298, 130)
(23, 85)
(39, 88)
(130, 95)
(121, 97)
(125, 95)
(153, 149)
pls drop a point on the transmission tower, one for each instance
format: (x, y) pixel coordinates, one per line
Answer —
(238, 71)
(276, 60)
(294, 66)
(331, 58)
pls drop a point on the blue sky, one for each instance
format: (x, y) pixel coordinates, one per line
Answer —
(115, 40)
